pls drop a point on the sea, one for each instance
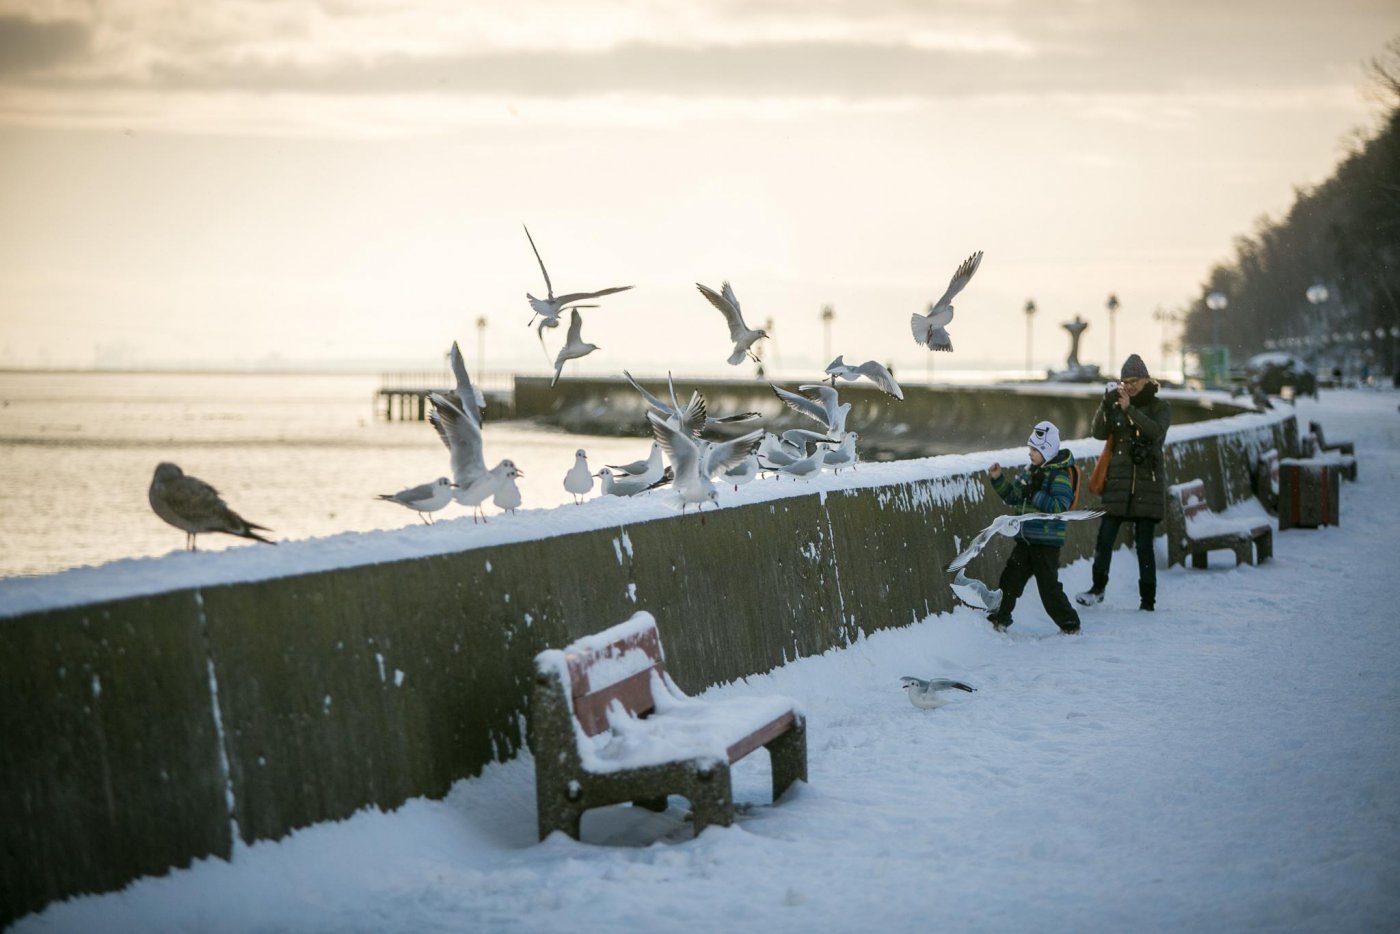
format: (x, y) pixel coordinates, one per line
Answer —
(304, 455)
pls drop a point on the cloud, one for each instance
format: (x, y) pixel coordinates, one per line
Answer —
(28, 45)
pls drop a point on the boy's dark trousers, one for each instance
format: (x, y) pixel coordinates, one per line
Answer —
(1042, 561)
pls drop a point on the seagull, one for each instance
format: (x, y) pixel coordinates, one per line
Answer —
(484, 487)
(507, 495)
(193, 506)
(876, 372)
(574, 347)
(424, 498)
(818, 402)
(797, 439)
(804, 467)
(648, 470)
(779, 453)
(1009, 525)
(549, 309)
(579, 479)
(925, 694)
(467, 397)
(972, 592)
(840, 455)
(461, 432)
(743, 472)
(629, 486)
(740, 333)
(695, 463)
(928, 328)
(686, 416)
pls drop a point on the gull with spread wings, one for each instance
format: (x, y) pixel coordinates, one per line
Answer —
(574, 346)
(549, 309)
(1009, 525)
(740, 333)
(695, 464)
(929, 328)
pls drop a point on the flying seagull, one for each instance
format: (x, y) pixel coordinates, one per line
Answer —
(696, 463)
(972, 592)
(925, 695)
(574, 347)
(549, 309)
(688, 418)
(928, 328)
(461, 432)
(193, 506)
(1009, 525)
(819, 402)
(740, 333)
(872, 370)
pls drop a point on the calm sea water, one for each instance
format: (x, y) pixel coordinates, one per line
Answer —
(303, 455)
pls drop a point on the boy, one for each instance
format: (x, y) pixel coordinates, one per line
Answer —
(1049, 486)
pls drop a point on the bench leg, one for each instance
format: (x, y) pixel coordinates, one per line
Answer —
(788, 755)
(1265, 545)
(1199, 559)
(558, 813)
(712, 796)
(1244, 552)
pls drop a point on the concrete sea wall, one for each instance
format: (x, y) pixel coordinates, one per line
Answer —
(140, 734)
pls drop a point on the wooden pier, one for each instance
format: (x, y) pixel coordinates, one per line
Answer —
(404, 396)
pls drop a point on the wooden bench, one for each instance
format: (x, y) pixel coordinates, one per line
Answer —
(608, 726)
(1342, 454)
(1341, 447)
(1193, 529)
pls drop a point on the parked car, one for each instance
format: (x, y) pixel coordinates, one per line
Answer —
(1270, 372)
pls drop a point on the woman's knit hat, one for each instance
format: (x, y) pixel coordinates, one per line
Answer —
(1133, 366)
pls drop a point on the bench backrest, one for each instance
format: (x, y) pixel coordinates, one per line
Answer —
(1269, 464)
(1193, 497)
(604, 669)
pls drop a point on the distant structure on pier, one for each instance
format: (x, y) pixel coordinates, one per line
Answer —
(1074, 371)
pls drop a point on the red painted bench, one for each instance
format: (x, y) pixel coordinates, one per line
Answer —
(609, 726)
(1192, 529)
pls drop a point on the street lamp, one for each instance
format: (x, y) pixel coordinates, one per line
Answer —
(480, 345)
(827, 314)
(1030, 312)
(1167, 318)
(1216, 302)
(1112, 306)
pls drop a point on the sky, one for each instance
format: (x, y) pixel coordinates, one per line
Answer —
(344, 182)
(1230, 762)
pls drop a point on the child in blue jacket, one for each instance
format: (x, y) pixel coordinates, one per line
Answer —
(1048, 486)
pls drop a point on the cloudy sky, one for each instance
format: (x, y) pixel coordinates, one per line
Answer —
(241, 181)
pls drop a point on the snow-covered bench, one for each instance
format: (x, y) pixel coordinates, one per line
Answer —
(1193, 529)
(1266, 480)
(608, 726)
(1341, 453)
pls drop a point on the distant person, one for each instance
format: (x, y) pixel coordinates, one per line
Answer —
(1135, 490)
(1050, 485)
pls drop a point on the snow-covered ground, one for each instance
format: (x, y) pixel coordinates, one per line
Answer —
(1231, 762)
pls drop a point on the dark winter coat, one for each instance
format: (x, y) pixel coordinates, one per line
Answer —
(1136, 488)
(1047, 488)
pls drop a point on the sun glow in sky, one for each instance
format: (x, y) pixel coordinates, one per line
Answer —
(343, 182)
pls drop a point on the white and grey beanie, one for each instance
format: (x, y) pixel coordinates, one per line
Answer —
(1045, 438)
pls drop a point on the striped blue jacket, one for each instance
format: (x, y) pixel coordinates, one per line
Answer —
(1048, 488)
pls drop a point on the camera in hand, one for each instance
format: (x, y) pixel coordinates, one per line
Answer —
(1110, 391)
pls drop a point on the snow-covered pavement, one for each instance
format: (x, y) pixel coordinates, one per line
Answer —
(1231, 762)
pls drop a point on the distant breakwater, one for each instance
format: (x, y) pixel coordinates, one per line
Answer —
(941, 419)
(140, 734)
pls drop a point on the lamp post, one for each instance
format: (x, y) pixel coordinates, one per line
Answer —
(1317, 296)
(1112, 306)
(480, 344)
(827, 314)
(1030, 313)
(1167, 318)
(1216, 301)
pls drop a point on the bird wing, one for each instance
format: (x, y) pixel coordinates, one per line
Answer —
(838, 366)
(692, 417)
(960, 279)
(469, 397)
(726, 454)
(684, 453)
(729, 306)
(193, 500)
(801, 404)
(462, 436)
(825, 396)
(972, 550)
(944, 684)
(878, 374)
(543, 271)
(656, 404)
(575, 336)
(572, 297)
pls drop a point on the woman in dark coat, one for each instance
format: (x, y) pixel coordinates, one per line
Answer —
(1136, 488)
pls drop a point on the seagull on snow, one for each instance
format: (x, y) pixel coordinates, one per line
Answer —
(925, 694)
(928, 328)
(579, 479)
(423, 498)
(193, 506)
(1009, 525)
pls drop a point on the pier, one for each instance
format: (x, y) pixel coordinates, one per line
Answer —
(403, 396)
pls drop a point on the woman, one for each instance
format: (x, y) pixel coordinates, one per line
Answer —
(1136, 487)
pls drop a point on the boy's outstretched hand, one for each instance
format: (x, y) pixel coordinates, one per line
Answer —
(994, 471)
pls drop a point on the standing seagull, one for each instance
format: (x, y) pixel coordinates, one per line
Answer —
(876, 372)
(928, 328)
(423, 498)
(579, 480)
(550, 308)
(925, 694)
(193, 506)
(1009, 525)
(574, 347)
(507, 495)
(740, 333)
(485, 487)
(695, 463)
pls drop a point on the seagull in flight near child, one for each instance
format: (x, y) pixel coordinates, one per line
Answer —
(740, 333)
(925, 695)
(549, 309)
(876, 372)
(193, 506)
(929, 328)
(574, 346)
(1009, 525)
